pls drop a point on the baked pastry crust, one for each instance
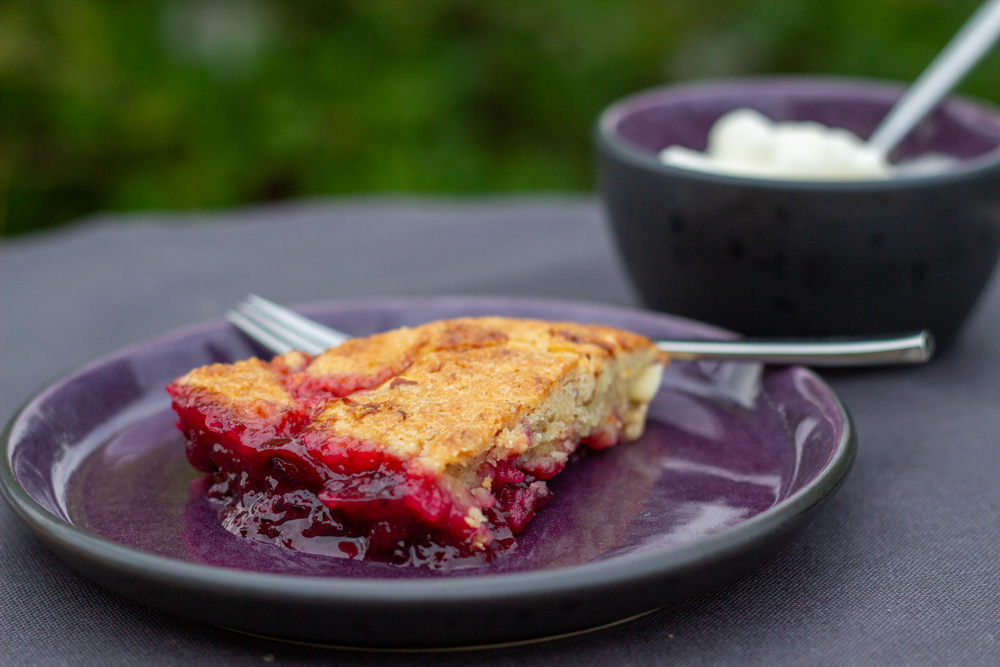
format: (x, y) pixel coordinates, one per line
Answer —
(419, 444)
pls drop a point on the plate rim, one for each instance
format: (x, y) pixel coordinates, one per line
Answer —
(62, 536)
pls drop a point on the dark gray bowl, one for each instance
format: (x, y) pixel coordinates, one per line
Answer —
(768, 257)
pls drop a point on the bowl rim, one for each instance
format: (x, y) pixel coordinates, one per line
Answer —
(608, 140)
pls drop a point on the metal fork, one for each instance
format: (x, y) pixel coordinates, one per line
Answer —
(281, 330)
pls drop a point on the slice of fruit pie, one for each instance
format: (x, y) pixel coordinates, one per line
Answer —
(416, 446)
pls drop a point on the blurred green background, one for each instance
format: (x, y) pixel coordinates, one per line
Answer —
(126, 105)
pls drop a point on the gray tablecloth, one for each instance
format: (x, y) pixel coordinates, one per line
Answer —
(900, 567)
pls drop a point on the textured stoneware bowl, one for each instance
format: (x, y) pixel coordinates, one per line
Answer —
(774, 257)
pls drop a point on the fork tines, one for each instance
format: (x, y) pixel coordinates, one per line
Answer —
(281, 330)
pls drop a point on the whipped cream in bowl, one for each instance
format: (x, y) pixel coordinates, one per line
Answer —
(745, 142)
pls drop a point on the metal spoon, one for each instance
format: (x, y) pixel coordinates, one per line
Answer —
(950, 66)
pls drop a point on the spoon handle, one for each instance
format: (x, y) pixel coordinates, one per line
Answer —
(909, 349)
(964, 50)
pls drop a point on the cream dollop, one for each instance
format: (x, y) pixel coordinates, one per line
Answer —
(746, 143)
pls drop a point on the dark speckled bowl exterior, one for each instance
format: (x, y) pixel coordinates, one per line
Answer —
(799, 258)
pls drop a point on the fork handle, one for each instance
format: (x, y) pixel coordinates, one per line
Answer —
(912, 348)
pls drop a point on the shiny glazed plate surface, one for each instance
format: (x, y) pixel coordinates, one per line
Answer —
(732, 461)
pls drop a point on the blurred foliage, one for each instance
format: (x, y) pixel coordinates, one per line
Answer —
(124, 105)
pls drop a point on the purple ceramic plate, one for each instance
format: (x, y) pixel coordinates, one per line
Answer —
(731, 464)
